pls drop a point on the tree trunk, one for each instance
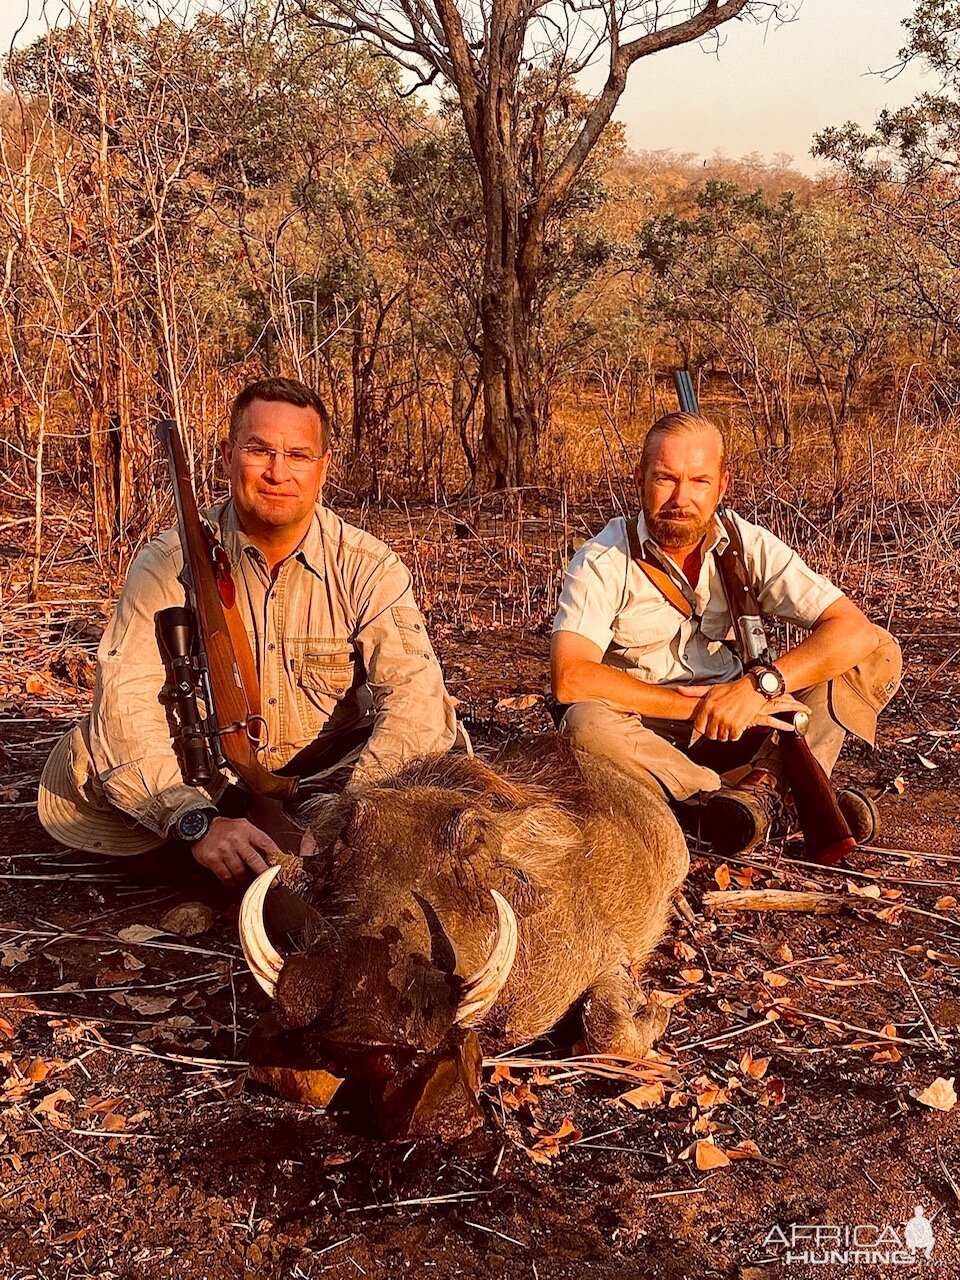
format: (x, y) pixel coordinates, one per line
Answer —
(508, 447)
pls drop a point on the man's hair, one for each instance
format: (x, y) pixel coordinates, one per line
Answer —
(286, 391)
(679, 424)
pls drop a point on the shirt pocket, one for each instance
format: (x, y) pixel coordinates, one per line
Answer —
(411, 629)
(326, 670)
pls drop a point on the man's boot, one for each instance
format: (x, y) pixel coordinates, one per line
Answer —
(861, 814)
(734, 819)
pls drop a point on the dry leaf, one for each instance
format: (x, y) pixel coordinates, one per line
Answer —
(863, 891)
(8, 1029)
(139, 933)
(49, 1108)
(188, 920)
(944, 957)
(9, 956)
(891, 914)
(683, 950)
(691, 975)
(745, 1150)
(35, 684)
(943, 903)
(899, 786)
(927, 764)
(548, 1145)
(722, 876)
(647, 1095)
(707, 1155)
(753, 1067)
(113, 1122)
(521, 703)
(940, 1095)
(149, 1004)
(774, 1093)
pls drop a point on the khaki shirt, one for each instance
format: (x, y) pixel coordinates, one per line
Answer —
(612, 602)
(335, 635)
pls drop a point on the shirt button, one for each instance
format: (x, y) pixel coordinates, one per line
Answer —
(271, 648)
(272, 702)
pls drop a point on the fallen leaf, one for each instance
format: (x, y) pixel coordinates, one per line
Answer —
(863, 891)
(139, 933)
(647, 1095)
(943, 903)
(8, 1029)
(35, 684)
(10, 956)
(521, 703)
(940, 1095)
(683, 951)
(927, 764)
(547, 1147)
(722, 876)
(753, 1067)
(944, 957)
(691, 975)
(49, 1108)
(745, 1150)
(891, 914)
(188, 919)
(774, 1093)
(707, 1155)
(149, 1004)
(113, 1122)
(899, 786)
(773, 979)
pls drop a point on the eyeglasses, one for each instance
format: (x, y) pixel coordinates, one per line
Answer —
(259, 455)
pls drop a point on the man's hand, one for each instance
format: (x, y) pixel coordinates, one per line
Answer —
(725, 711)
(231, 848)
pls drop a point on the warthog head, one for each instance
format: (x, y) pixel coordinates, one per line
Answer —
(415, 931)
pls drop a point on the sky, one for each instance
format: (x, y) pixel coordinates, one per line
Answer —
(767, 90)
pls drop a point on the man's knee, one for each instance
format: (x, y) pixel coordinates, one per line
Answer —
(591, 725)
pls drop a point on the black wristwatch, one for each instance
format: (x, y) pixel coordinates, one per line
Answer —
(768, 680)
(194, 824)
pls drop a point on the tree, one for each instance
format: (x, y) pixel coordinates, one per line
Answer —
(508, 63)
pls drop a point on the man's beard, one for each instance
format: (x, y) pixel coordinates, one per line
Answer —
(677, 533)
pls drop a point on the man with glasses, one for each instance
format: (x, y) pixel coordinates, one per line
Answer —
(342, 654)
(642, 650)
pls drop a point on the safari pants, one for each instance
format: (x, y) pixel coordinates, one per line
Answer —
(658, 752)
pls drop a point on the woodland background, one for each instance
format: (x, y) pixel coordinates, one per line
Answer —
(191, 201)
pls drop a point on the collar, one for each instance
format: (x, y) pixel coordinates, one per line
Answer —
(237, 545)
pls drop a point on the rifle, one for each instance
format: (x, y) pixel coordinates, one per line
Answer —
(827, 836)
(208, 654)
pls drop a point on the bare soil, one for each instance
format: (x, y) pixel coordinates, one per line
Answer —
(131, 1145)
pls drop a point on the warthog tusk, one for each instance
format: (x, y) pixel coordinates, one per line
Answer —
(264, 959)
(481, 988)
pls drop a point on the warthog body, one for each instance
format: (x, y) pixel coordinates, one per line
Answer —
(586, 857)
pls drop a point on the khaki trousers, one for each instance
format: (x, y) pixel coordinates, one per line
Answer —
(658, 752)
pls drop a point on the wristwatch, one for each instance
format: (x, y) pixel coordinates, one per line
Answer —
(768, 680)
(194, 824)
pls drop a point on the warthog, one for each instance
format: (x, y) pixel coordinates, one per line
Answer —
(466, 894)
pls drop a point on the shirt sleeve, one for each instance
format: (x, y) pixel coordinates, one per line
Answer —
(414, 713)
(789, 589)
(130, 740)
(592, 593)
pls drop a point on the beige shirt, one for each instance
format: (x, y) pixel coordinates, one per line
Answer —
(336, 635)
(612, 602)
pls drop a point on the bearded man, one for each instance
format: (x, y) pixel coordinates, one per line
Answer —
(642, 651)
(347, 673)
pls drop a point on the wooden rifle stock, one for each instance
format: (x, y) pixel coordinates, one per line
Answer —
(231, 672)
(826, 833)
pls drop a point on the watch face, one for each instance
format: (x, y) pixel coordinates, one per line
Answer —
(769, 683)
(193, 825)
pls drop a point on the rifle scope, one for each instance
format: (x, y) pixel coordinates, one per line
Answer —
(175, 637)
